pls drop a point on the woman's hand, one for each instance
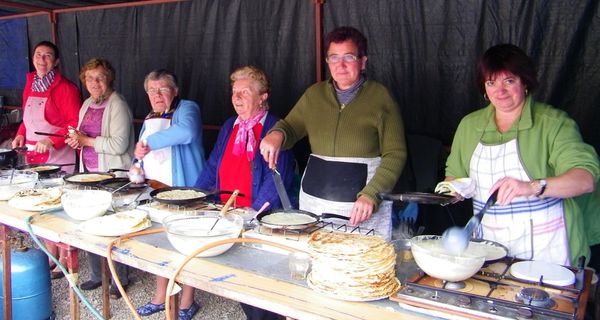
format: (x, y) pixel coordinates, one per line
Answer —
(141, 150)
(43, 145)
(78, 139)
(270, 146)
(510, 188)
(362, 210)
(18, 142)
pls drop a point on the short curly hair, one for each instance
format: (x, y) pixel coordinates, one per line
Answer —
(98, 63)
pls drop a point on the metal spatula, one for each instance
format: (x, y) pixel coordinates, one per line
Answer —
(283, 196)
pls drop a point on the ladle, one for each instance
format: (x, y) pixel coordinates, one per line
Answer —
(456, 239)
(223, 211)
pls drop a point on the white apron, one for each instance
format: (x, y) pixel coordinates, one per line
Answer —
(331, 193)
(157, 163)
(34, 119)
(532, 228)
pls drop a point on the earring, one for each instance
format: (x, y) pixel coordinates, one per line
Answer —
(485, 97)
(526, 92)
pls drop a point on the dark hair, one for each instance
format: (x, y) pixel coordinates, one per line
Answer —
(49, 45)
(508, 58)
(98, 63)
(159, 74)
(342, 34)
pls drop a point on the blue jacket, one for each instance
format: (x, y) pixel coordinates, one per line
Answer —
(184, 136)
(263, 187)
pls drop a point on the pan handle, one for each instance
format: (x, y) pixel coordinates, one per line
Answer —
(389, 196)
(333, 215)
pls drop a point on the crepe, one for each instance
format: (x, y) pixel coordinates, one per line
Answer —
(89, 177)
(352, 267)
(184, 194)
(37, 199)
(117, 224)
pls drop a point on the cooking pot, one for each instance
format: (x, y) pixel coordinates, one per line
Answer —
(310, 219)
(8, 157)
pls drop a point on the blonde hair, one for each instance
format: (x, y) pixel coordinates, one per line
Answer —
(254, 73)
(98, 63)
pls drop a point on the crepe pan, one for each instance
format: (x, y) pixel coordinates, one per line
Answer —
(52, 168)
(420, 197)
(123, 183)
(260, 217)
(69, 178)
(181, 202)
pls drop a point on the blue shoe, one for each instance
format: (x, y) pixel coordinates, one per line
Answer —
(188, 314)
(150, 308)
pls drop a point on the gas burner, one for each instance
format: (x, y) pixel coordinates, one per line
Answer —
(458, 285)
(535, 297)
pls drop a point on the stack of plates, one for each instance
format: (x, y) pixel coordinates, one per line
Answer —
(352, 267)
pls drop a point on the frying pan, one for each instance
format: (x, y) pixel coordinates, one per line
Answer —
(261, 216)
(69, 178)
(52, 168)
(154, 194)
(116, 183)
(420, 197)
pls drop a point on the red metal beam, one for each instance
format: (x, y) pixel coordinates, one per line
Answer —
(23, 7)
(118, 5)
(318, 39)
(23, 15)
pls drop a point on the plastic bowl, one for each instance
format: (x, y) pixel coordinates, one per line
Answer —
(437, 262)
(21, 179)
(86, 204)
(188, 233)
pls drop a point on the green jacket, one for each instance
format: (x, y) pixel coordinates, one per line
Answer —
(369, 126)
(549, 144)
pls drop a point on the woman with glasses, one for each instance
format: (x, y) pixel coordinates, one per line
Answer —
(105, 140)
(530, 153)
(356, 136)
(170, 150)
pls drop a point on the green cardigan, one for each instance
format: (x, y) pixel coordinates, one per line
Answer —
(369, 126)
(549, 144)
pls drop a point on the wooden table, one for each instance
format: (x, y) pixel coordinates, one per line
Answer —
(215, 275)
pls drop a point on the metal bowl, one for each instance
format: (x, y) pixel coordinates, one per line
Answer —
(188, 233)
(13, 181)
(437, 262)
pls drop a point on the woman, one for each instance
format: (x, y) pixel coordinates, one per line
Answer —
(171, 139)
(105, 139)
(356, 135)
(234, 162)
(50, 104)
(533, 155)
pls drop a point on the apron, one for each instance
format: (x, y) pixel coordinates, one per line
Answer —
(532, 228)
(157, 163)
(330, 184)
(33, 117)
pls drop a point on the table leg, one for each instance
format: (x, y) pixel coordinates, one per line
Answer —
(73, 267)
(174, 306)
(6, 277)
(105, 287)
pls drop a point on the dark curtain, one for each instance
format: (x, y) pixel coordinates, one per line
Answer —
(13, 58)
(425, 52)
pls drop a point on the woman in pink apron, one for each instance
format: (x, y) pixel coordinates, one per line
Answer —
(533, 155)
(50, 104)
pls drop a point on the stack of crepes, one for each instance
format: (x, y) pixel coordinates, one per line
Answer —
(352, 267)
(117, 224)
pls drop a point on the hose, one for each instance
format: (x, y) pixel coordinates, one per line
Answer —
(70, 277)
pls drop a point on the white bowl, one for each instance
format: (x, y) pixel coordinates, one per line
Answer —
(21, 179)
(437, 262)
(86, 204)
(188, 233)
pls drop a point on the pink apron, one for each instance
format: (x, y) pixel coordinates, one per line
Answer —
(33, 117)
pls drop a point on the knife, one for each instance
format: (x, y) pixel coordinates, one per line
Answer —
(283, 196)
(51, 134)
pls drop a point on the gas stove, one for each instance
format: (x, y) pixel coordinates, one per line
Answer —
(493, 293)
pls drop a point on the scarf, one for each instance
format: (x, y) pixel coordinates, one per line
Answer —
(245, 139)
(42, 84)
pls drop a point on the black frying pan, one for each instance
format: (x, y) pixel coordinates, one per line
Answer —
(420, 197)
(316, 218)
(79, 178)
(44, 169)
(183, 202)
(116, 183)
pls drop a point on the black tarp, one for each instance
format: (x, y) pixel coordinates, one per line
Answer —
(423, 50)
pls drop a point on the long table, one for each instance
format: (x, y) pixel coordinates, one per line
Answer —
(244, 274)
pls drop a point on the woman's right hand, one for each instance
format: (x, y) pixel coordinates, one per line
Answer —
(141, 150)
(270, 146)
(18, 142)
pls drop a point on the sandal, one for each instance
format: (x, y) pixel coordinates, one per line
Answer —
(188, 314)
(56, 274)
(150, 308)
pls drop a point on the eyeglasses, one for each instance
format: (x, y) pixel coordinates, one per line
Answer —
(334, 58)
(95, 79)
(161, 91)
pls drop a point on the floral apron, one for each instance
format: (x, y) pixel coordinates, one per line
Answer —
(532, 228)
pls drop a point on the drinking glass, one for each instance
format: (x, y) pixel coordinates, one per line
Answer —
(299, 262)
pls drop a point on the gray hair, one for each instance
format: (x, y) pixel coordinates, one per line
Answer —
(161, 74)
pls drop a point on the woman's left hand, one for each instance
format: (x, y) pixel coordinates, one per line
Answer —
(362, 210)
(43, 145)
(510, 188)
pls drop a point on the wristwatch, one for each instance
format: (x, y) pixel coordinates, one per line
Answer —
(540, 185)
